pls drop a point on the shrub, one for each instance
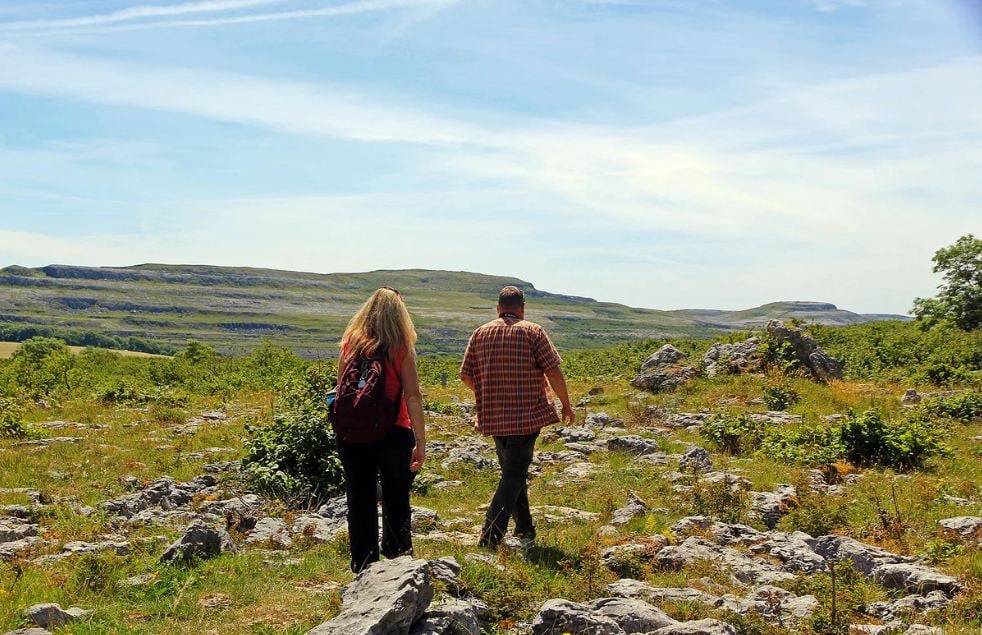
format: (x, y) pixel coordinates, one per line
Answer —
(11, 419)
(780, 355)
(965, 408)
(41, 366)
(296, 457)
(733, 435)
(780, 397)
(869, 439)
(810, 446)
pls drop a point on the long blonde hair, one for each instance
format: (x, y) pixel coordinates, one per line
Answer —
(383, 321)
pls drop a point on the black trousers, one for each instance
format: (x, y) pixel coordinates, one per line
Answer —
(511, 499)
(364, 464)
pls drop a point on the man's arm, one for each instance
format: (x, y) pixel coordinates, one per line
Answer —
(557, 380)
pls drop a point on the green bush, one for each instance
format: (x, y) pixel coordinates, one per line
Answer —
(11, 419)
(780, 397)
(733, 435)
(295, 457)
(870, 439)
(810, 446)
(965, 408)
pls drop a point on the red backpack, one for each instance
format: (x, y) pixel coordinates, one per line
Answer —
(361, 413)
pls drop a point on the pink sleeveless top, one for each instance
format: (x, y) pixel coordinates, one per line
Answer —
(393, 382)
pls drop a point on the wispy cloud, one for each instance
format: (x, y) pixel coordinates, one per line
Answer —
(107, 23)
(140, 13)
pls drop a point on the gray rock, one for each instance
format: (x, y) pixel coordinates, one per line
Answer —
(915, 578)
(43, 443)
(10, 550)
(198, 541)
(770, 507)
(635, 589)
(387, 598)
(794, 550)
(666, 369)
(622, 559)
(562, 616)
(603, 420)
(271, 533)
(864, 557)
(632, 444)
(12, 529)
(635, 507)
(745, 569)
(697, 627)
(468, 455)
(687, 419)
(632, 615)
(53, 616)
(968, 528)
(575, 434)
(742, 357)
(911, 397)
(908, 605)
(29, 631)
(446, 570)
(696, 459)
(448, 617)
(823, 366)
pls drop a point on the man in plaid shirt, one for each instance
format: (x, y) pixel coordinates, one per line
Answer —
(506, 364)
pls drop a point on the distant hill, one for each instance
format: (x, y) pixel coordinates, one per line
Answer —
(235, 308)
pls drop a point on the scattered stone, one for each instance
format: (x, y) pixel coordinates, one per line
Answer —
(967, 528)
(632, 615)
(635, 589)
(559, 616)
(53, 616)
(742, 357)
(911, 397)
(687, 419)
(775, 417)
(43, 443)
(270, 532)
(144, 579)
(29, 631)
(770, 507)
(472, 454)
(696, 459)
(635, 507)
(908, 605)
(14, 529)
(624, 559)
(558, 514)
(575, 473)
(449, 616)
(603, 420)
(388, 597)
(697, 627)
(214, 601)
(745, 569)
(633, 444)
(666, 369)
(198, 541)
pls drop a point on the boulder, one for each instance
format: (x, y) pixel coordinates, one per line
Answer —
(271, 533)
(697, 627)
(915, 578)
(635, 589)
(770, 507)
(53, 616)
(387, 598)
(449, 616)
(562, 616)
(665, 369)
(632, 444)
(742, 357)
(198, 541)
(632, 615)
(823, 366)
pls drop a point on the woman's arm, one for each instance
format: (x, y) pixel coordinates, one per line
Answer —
(414, 404)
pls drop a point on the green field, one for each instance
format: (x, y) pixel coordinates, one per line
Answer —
(7, 349)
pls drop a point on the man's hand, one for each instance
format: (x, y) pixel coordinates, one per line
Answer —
(568, 414)
(477, 424)
(419, 455)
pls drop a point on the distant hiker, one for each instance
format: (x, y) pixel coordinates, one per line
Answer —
(378, 419)
(507, 363)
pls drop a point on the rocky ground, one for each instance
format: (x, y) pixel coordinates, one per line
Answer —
(117, 524)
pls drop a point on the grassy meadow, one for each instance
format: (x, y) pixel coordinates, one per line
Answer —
(133, 409)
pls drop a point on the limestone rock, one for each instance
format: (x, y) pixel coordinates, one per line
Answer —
(632, 615)
(635, 507)
(632, 444)
(635, 589)
(562, 616)
(968, 528)
(603, 420)
(666, 369)
(387, 598)
(823, 366)
(198, 541)
(270, 533)
(696, 459)
(742, 357)
(450, 616)
(697, 627)
(53, 616)
(770, 507)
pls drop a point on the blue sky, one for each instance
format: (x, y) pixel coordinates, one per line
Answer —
(661, 153)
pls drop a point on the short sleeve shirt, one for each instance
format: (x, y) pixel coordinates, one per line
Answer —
(507, 360)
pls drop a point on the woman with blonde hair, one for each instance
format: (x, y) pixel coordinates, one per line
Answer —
(381, 336)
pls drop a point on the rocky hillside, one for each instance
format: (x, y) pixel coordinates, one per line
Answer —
(235, 308)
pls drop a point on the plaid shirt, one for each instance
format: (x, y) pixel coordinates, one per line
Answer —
(507, 360)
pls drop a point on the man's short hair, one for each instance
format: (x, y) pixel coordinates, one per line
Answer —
(511, 298)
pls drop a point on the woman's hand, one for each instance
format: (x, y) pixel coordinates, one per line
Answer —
(418, 457)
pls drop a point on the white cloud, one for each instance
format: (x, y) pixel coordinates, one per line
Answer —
(139, 13)
(843, 183)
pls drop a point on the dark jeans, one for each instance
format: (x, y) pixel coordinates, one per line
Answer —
(511, 500)
(364, 464)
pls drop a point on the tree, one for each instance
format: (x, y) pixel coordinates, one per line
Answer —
(41, 365)
(959, 299)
